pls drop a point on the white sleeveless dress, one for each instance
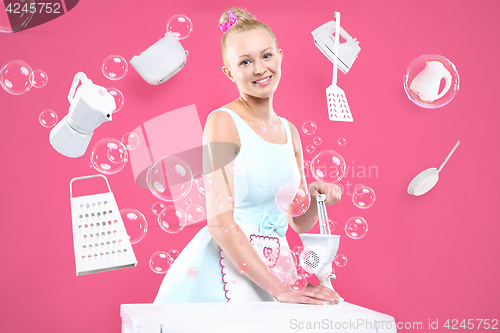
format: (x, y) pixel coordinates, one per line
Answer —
(260, 169)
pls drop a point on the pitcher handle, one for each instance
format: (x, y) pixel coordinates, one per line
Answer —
(80, 76)
(448, 79)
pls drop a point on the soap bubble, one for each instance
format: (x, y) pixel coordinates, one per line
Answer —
(14, 77)
(342, 141)
(135, 223)
(118, 96)
(159, 262)
(172, 219)
(363, 197)
(157, 208)
(267, 126)
(431, 81)
(38, 78)
(293, 199)
(285, 267)
(300, 283)
(192, 272)
(114, 67)
(340, 260)
(309, 127)
(224, 202)
(169, 179)
(47, 118)
(130, 140)
(195, 213)
(108, 156)
(179, 26)
(172, 254)
(197, 177)
(317, 140)
(243, 268)
(230, 228)
(356, 227)
(19, 19)
(328, 167)
(310, 149)
(332, 224)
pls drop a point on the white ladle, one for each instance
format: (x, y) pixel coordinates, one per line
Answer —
(426, 180)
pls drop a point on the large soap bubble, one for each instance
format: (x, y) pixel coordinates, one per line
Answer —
(135, 224)
(38, 78)
(108, 156)
(172, 219)
(179, 26)
(431, 81)
(159, 262)
(356, 227)
(114, 67)
(15, 77)
(328, 167)
(20, 16)
(169, 179)
(363, 197)
(293, 199)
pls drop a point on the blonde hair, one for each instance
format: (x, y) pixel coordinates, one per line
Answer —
(246, 22)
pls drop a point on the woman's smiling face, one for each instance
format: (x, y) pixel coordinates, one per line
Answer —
(253, 63)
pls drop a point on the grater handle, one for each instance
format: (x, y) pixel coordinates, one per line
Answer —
(86, 177)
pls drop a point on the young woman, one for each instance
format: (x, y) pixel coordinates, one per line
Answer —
(250, 153)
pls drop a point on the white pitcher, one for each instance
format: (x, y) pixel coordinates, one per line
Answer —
(91, 106)
(426, 83)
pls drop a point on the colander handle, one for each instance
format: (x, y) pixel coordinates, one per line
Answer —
(86, 177)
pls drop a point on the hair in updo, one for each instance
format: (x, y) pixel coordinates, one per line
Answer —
(246, 22)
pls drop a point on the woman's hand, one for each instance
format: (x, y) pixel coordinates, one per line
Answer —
(333, 192)
(312, 294)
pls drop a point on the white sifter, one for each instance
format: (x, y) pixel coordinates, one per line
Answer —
(338, 109)
(426, 180)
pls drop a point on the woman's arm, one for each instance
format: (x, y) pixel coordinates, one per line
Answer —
(305, 222)
(221, 144)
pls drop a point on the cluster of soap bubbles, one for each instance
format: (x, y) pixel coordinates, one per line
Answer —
(161, 261)
(431, 81)
(108, 156)
(135, 224)
(17, 77)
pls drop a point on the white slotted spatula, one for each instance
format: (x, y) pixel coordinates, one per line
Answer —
(338, 109)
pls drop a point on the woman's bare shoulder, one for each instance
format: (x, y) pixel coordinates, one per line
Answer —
(220, 127)
(297, 146)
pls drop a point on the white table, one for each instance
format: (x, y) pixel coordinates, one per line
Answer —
(252, 317)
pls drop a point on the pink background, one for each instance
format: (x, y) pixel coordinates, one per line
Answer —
(424, 258)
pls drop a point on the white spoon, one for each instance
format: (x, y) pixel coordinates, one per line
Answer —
(426, 180)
